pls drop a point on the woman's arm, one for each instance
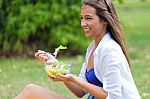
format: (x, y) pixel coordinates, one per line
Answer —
(73, 83)
(96, 91)
(75, 89)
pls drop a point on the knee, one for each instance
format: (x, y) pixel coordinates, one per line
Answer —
(30, 88)
(27, 92)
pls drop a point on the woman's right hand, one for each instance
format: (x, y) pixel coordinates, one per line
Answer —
(44, 57)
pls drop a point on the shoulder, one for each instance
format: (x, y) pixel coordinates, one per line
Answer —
(111, 46)
(108, 45)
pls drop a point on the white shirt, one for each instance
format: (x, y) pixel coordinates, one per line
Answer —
(112, 69)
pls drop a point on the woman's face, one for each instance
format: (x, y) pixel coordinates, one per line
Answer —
(92, 25)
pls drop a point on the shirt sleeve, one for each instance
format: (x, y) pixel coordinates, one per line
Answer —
(111, 74)
(82, 75)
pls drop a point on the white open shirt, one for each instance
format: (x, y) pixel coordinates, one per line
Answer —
(112, 69)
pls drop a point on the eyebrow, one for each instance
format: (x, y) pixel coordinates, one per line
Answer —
(86, 15)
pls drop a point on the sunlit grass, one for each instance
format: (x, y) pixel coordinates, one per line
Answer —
(16, 73)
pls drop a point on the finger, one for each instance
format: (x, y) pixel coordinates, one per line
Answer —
(67, 77)
(61, 77)
(39, 57)
(57, 79)
(44, 59)
(41, 52)
(53, 78)
(38, 53)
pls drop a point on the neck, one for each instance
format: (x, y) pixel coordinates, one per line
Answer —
(98, 39)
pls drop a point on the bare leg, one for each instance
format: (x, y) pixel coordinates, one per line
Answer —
(32, 91)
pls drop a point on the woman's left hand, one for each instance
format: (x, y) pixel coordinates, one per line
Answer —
(64, 78)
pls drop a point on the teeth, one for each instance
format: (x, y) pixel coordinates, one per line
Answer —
(86, 30)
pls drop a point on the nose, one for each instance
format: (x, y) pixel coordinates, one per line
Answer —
(83, 23)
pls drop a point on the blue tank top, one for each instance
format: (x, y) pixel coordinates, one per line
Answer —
(91, 78)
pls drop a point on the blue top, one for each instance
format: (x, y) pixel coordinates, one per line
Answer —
(91, 78)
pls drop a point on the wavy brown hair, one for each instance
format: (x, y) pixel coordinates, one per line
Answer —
(106, 11)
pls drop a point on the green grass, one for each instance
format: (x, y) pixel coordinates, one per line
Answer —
(16, 73)
(135, 17)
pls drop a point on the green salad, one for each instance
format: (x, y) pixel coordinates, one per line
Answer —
(58, 67)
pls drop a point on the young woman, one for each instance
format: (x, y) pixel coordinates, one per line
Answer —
(106, 72)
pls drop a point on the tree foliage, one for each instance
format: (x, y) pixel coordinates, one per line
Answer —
(28, 25)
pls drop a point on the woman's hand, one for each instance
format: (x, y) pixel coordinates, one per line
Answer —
(44, 57)
(64, 78)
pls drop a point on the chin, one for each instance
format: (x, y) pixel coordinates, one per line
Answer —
(88, 35)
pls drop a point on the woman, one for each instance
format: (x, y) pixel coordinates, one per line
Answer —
(106, 71)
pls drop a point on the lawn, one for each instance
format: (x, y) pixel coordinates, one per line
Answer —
(135, 17)
(16, 73)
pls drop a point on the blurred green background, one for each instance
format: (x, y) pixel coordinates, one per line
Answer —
(28, 25)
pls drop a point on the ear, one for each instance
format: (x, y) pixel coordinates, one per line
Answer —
(105, 23)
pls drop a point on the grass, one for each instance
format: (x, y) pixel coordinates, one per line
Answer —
(16, 73)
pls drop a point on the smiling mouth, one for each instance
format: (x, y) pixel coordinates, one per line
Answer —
(86, 30)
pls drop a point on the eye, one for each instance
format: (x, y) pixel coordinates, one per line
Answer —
(81, 17)
(88, 18)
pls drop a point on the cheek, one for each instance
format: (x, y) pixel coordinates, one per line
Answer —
(98, 29)
(99, 25)
(92, 25)
(95, 24)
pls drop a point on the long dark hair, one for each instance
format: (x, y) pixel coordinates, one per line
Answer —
(106, 11)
